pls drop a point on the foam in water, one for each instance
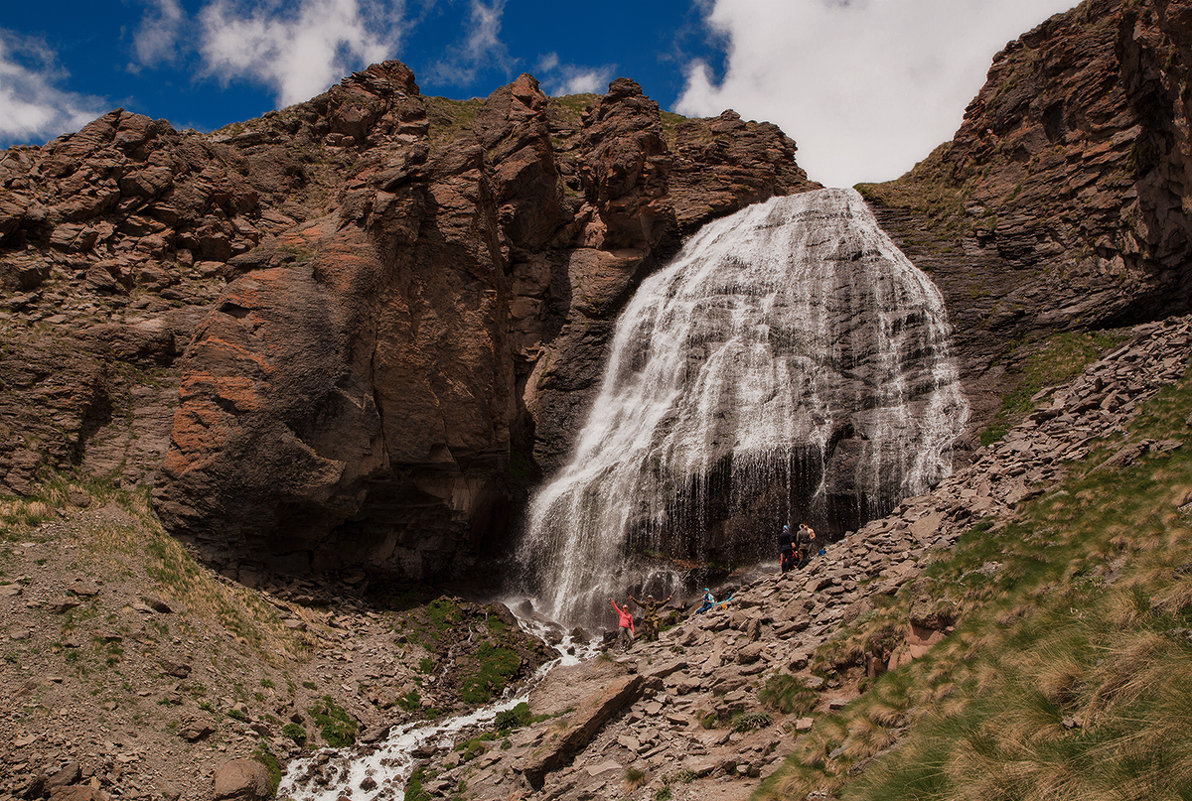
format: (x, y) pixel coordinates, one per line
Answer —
(331, 773)
(775, 333)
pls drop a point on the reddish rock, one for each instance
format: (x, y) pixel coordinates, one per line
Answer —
(420, 297)
(1062, 200)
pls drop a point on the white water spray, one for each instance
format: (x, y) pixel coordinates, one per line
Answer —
(790, 340)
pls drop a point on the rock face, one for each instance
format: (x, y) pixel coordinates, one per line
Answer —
(1062, 202)
(396, 306)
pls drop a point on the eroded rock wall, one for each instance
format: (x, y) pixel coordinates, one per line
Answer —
(1063, 200)
(393, 308)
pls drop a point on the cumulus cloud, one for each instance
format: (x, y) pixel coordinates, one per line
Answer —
(571, 79)
(482, 47)
(297, 50)
(32, 106)
(156, 38)
(866, 87)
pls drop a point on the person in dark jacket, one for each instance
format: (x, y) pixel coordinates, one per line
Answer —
(650, 621)
(786, 549)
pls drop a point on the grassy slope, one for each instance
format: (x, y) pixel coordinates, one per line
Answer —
(1034, 365)
(1069, 674)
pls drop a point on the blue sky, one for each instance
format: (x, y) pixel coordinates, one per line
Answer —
(867, 87)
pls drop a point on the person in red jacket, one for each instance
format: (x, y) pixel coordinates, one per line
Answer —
(624, 625)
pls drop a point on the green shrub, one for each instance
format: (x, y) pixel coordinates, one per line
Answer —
(514, 718)
(498, 666)
(787, 694)
(335, 724)
(751, 721)
(295, 732)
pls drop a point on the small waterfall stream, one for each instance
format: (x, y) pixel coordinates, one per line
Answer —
(790, 351)
(330, 773)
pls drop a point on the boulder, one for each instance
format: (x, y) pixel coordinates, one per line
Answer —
(580, 727)
(241, 780)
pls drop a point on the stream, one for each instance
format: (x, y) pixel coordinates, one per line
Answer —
(382, 770)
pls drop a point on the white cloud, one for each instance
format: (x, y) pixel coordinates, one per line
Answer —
(481, 49)
(866, 87)
(297, 52)
(32, 107)
(571, 79)
(156, 38)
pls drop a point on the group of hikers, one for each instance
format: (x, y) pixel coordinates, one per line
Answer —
(794, 548)
(794, 551)
(650, 622)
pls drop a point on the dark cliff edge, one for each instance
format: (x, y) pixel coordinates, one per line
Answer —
(353, 331)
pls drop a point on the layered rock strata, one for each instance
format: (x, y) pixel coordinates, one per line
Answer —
(418, 294)
(1063, 200)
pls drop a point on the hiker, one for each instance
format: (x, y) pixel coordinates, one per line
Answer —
(709, 602)
(786, 549)
(803, 540)
(650, 615)
(625, 630)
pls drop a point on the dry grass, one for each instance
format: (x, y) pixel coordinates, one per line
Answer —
(122, 537)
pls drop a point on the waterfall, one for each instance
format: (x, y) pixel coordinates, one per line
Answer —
(790, 356)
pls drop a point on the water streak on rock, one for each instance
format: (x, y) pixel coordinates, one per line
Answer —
(791, 344)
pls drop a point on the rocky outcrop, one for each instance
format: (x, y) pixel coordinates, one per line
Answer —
(1062, 202)
(388, 304)
(363, 402)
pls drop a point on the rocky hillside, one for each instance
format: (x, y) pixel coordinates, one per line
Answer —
(1062, 202)
(132, 671)
(392, 308)
(849, 666)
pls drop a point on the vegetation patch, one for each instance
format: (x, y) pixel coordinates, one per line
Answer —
(295, 732)
(337, 727)
(497, 666)
(751, 721)
(266, 757)
(1034, 366)
(414, 785)
(787, 694)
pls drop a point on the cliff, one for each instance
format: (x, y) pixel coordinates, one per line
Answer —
(1062, 201)
(393, 308)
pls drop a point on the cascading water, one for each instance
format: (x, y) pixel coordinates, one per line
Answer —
(788, 356)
